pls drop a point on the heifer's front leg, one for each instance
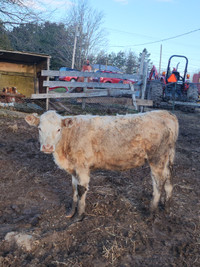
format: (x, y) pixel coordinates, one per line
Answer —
(82, 189)
(75, 197)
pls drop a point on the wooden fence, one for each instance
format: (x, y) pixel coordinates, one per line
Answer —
(97, 89)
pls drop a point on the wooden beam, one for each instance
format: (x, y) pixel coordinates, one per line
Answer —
(24, 74)
(85, 84)
(121, 101)
(12, 95)
(88, 93)
(90, 74)
(188, 104)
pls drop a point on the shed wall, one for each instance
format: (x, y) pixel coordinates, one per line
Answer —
(20, 76)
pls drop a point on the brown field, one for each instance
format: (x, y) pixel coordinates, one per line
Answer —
(118, 229)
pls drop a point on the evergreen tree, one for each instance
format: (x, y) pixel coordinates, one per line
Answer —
(120, 60)
(4, 39)
(128, 63)
(48, 38)
(102, 58)
(131, 63)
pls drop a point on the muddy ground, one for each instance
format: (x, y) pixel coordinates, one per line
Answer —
(118, 229)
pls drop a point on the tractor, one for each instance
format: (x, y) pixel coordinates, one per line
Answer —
(172, 85)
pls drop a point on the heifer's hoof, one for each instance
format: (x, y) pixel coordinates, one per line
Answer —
(153, 208)
(167, 206)
(73, 210)
(79, 218)
(71, 213)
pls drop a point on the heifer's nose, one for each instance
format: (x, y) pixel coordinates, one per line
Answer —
(47, 148)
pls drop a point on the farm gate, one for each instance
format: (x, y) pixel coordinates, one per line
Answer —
(127, 96)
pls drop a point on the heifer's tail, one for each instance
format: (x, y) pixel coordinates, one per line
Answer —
(172, 123)
(175, 130)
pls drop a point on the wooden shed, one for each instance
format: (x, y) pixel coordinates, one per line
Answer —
(23, 71)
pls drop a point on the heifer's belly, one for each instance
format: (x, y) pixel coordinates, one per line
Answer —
(120, 160)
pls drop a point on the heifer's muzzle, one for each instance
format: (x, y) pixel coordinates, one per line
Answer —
(47, 149)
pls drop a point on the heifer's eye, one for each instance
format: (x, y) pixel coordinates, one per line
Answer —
(58, 130)
(39, 128)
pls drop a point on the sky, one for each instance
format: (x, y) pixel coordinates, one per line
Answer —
(138, 24)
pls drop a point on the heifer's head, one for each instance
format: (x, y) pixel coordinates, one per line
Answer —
(50, 126)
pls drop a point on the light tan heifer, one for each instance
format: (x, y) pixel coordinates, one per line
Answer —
(82, 143)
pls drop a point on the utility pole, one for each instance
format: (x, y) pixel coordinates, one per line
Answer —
(74, 49)
(160, 58)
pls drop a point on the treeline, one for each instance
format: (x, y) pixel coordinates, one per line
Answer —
(34, 34)
(57, 40)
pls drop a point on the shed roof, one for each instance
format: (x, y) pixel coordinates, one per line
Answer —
(22, 57)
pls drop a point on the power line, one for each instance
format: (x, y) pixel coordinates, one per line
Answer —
(130, 33)
(162, 40)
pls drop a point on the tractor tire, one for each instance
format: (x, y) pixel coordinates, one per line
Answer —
(155, 92)
(192, 93)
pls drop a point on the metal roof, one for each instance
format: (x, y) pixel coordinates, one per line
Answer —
(22, 57)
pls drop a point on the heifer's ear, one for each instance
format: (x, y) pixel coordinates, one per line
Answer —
(32, 119)
(68, 122)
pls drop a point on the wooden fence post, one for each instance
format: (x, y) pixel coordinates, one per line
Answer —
(133, 96)
(47, 91)
(144, 83)
(141, 70)
(84, 90)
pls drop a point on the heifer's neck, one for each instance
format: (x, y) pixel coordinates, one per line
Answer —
(62, 151)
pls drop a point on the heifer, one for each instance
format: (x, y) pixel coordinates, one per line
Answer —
(82, 143)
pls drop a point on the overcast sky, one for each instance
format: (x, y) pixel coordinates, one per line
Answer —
(139, 24)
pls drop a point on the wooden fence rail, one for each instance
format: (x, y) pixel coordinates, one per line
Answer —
(58, 73)
(86, 84)
(96, 89)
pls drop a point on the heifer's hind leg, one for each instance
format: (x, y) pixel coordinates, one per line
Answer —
(157, 187)
(168, 178)
(161, 177)
(158, 176)
(168, 190)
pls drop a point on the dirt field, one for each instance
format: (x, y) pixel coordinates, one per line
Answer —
(117, 230)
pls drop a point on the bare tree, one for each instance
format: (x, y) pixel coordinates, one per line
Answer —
(15, 12)
(87, 23)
